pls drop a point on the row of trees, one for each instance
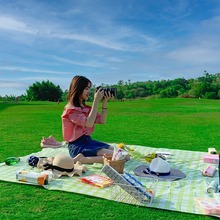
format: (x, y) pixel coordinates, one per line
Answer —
(206, 86)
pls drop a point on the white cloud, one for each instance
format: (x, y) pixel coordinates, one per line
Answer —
(195, 55)
(73, 62)
(124, 39)
(176, 10)
(12, 84)
(12, 87)
(212, 23)
(24, 69)
(12, 24)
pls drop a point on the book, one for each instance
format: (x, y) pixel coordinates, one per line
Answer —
(97, 180)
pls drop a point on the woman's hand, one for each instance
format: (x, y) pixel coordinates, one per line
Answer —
(99, 94)
(108, 96)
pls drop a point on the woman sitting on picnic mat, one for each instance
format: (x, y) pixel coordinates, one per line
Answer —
(78, 121)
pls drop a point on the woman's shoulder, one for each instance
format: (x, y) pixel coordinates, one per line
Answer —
(70, 108)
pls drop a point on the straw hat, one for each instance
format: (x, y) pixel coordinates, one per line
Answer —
(62, 165)
(159, 169)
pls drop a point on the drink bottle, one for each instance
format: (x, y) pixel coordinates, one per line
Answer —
(12, 161)
(213, 187)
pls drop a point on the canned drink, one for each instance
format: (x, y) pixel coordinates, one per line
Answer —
(213, 187)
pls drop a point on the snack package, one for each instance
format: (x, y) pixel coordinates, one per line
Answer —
(33, 177)
(97, 180)
(119, 154)
(209, 171)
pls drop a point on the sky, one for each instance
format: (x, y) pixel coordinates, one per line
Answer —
(106, 41)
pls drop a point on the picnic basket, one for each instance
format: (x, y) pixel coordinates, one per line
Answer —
(118, 165)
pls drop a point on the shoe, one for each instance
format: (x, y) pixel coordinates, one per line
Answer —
(53, 140)
(45, 143)
(50, 142)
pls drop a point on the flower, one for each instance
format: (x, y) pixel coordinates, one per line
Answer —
(121, 145)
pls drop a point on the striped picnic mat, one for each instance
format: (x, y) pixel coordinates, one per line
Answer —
(170, 195)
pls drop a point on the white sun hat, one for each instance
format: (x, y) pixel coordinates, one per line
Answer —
(159, 166)
(159, 169)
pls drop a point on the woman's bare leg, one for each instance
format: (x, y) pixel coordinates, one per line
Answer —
(109, 152)
(104, 151)
(111, 147)
(89, 160)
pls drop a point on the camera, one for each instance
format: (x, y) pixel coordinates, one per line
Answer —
(112, 90)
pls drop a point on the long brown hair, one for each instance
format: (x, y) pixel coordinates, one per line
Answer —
(77, 85)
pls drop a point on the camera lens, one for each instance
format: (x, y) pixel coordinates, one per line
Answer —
(112, 90)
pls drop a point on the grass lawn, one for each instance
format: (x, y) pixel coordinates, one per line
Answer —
(186, 124)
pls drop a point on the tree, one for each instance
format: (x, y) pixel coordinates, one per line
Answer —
(44, 91)
(169, 93)
(211, 95)
(120, 95)
(120, 83)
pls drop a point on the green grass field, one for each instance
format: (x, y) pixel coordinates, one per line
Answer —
(186, 124)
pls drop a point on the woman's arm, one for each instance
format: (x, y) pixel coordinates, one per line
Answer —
(92, 115)
(105, 108)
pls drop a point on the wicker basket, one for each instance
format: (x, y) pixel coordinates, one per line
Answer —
(118, 165)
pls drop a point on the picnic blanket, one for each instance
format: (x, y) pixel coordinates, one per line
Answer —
(181, 195)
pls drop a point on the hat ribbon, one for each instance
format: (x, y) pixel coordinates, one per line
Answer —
(50, 166)
(148, 171)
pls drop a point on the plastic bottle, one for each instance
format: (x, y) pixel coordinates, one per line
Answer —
(213, 187)
(12, 161)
